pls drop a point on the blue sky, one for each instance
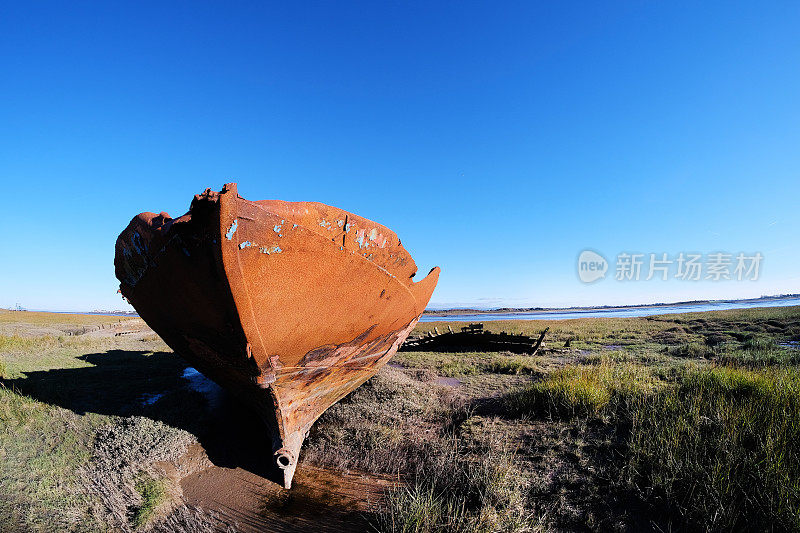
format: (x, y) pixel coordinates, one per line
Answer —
(499, 140)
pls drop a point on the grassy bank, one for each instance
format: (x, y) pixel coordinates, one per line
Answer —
(79, 450)
(678, 422)
(720, 449)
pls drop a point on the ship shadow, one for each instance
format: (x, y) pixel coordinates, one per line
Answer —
(160, 386)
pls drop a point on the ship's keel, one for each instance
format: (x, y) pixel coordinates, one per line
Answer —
(286, 458)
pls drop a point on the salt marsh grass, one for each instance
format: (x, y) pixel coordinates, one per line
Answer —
(678, 422)
(721, 449)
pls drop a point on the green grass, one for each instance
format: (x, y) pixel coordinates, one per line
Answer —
(19, 344)
(60, 471)
(692, 350)
(57, 319)
(580, 390)
(760, 350)
(444, 364)
(710, 448)
(67, 460)
(470, 363)
(676, 422)
(42, 450)
(722, 449)
(511, 364)
(458, 490)
(738, 348)
(153, 493)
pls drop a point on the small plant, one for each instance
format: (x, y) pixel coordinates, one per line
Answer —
(153, 493)
(692, 350)
(516, 365)
(759, 344)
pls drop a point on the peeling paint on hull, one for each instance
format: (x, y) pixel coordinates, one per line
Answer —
(273, 302)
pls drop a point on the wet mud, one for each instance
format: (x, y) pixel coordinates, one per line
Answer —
(231, 473)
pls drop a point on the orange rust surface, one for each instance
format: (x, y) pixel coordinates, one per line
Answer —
(290, 305)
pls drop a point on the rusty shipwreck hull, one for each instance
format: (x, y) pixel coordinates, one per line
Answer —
(288, 305)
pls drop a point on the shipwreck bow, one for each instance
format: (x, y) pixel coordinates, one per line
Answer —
(288, 305)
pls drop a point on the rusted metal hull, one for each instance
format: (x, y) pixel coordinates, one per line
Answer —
(289, 305)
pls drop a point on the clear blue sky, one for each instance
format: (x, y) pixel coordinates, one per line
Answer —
(497, 139)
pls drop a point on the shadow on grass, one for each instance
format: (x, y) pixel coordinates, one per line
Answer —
(142, 383)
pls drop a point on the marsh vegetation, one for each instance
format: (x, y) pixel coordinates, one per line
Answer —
(675, 422)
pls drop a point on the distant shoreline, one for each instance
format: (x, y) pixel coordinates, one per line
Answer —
(547, 310)
(527, 311)
(129, 314)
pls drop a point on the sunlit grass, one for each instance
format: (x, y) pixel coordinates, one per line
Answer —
(153, 493)
(581, 390)
(722, 449)
(470, 363)
(719, 447)
(457, 490)
(42, 449)
(50, 319)
(696, 414)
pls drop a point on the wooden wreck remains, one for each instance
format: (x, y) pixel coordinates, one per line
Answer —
(473, 338)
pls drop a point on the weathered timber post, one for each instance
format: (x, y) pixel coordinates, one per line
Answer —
(539, 342)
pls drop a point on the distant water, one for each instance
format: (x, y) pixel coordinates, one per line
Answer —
(94, 313)
(616, 312)
(612, 312)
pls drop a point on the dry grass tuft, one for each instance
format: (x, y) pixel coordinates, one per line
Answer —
(120, 475)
